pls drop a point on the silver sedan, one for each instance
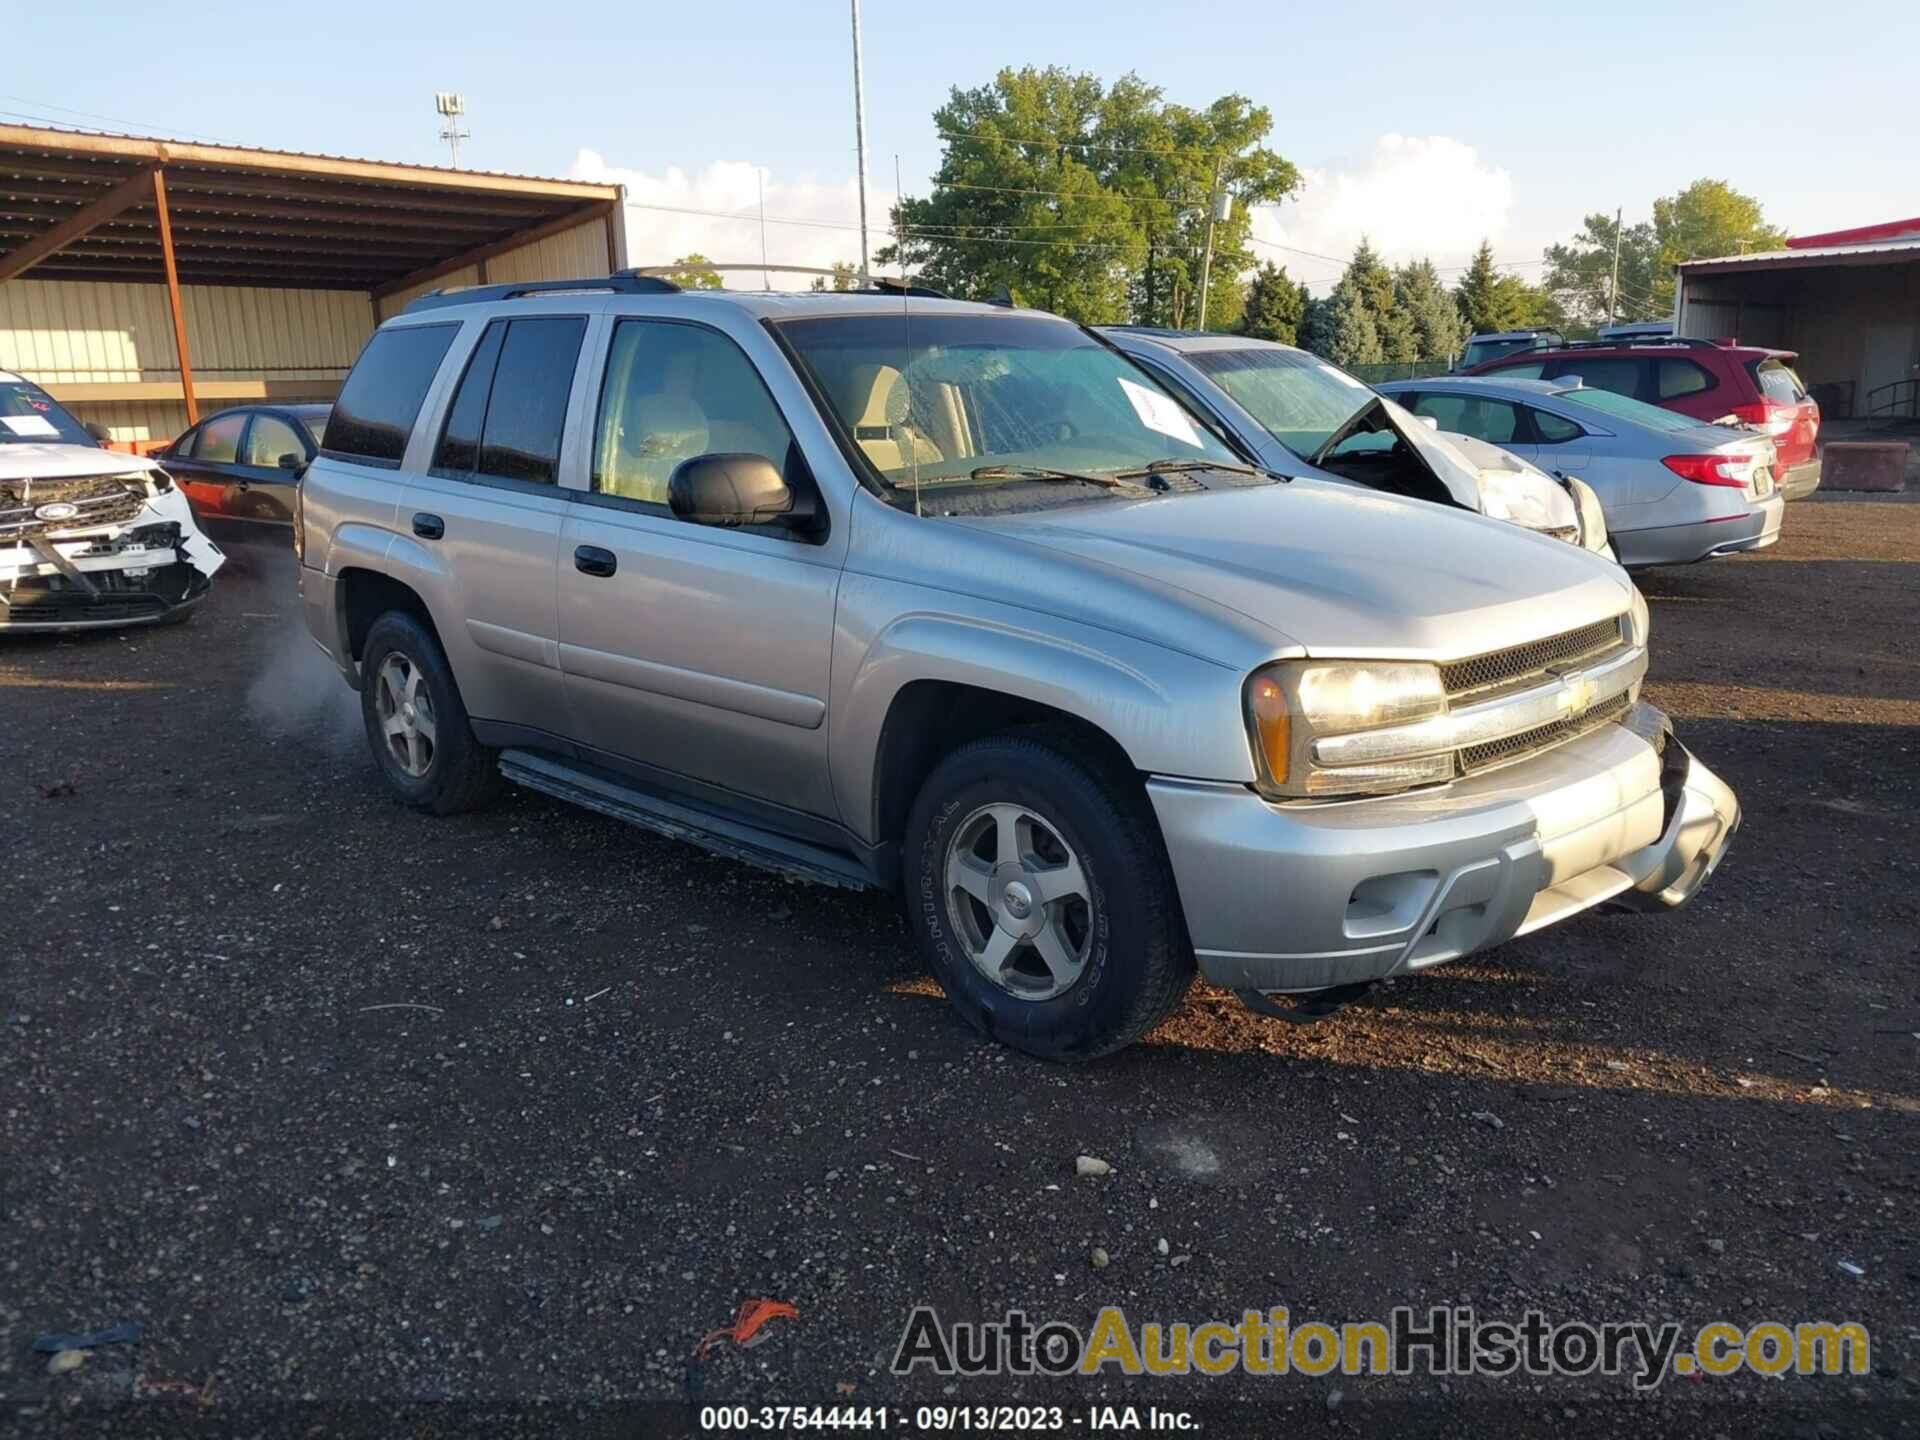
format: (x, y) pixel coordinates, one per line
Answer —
(1675, 490)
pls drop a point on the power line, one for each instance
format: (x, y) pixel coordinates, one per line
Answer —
(1108, 145)
(137, 126)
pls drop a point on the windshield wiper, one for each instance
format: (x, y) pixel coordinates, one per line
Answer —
(1043, 472)
(1182, 467)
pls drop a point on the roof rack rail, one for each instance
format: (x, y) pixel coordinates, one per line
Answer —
(1641, 342)
(622, 282)
(884, 286)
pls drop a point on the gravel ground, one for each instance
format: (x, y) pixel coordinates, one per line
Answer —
(381, 1123)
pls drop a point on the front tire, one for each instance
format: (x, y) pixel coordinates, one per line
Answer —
(1039, 891)
(417, 724)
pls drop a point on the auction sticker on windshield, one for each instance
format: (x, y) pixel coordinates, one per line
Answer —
(1162, 413)
(30, 425)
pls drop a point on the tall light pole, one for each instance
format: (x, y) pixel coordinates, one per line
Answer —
(860, 135)
(1613, 288)
(451, 106)
(1219, 207)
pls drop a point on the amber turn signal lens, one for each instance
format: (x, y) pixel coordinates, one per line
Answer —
(1272, 724)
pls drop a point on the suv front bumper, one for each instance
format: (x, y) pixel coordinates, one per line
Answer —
(1295, 898)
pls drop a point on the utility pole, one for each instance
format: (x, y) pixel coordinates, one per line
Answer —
(860, 136)
(1613, 289)
(1219, 207)
(452, 106)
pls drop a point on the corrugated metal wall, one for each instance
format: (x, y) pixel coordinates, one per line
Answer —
(62, 333)
(579, 251)
(67, 332)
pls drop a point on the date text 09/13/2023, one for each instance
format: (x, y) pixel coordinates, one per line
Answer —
(943, 1419)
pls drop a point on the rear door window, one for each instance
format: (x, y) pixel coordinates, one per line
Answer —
(269, 439)
(1677, 379)
(507, 416)
(1603, 372)
(382, 397)
(220, 440)
(1495, 421)
(1778, 382)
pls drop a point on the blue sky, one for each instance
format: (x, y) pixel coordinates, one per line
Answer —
(1422, 125)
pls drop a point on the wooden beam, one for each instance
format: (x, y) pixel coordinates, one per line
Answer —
(324, 191)
(122, 197)
(252, 387)
(173, 297)
(417, 218)
(557, 226)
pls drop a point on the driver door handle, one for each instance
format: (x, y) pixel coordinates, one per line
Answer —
(592, 560)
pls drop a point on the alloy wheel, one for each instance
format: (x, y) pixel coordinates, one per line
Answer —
(406, 714)
(1019, 901)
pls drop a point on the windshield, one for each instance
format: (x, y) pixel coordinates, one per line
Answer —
(28, 415)
(980, 399)
(1300, 399)
(1480, 351)
(1627, 408)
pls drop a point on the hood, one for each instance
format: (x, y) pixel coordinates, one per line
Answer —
(36, 461)
(1341, 571)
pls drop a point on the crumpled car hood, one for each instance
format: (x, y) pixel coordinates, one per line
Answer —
(1338, 570)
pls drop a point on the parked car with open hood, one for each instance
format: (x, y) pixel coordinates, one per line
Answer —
(1675, 490)
(89, 538)
(958, 601)
(1299, 415)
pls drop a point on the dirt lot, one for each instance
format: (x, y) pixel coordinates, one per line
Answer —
(379, 1122)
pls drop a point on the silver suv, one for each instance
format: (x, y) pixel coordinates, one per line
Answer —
(957, 600)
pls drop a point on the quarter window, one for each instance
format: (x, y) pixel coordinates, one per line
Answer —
(1679, 378)
(510, 409)
(382, 397)
(673, 392)
(1552, 429)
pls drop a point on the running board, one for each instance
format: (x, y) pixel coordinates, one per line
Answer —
(721, 836)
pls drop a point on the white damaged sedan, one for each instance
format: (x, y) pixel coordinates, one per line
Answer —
(89, 538)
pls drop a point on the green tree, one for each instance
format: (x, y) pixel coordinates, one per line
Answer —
(1370, 280)
(1090, 201)
(695, 272)
(1419, 295)
(1340, 328)
(1580, 273)
(1478, 295)
(1709, 217)
(1274, 307)
(845, 276)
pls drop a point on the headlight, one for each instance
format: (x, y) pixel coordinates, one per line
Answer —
(1294, 703)
(1528, 500)
(1639, 621)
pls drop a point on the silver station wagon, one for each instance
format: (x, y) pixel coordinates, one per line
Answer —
(956, 600)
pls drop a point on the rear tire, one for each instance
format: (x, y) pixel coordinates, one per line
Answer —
(416, 723)
(1038, 889)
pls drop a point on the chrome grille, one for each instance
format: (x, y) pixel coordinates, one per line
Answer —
(1521, 662)
(97, 500)
(1529, 742)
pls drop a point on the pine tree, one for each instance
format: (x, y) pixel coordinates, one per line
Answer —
(1419, 295)
(1275, 305)
(1478, 293)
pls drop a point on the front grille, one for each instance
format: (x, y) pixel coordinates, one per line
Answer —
(97, 500)
(1528, 742)
(1521, 662)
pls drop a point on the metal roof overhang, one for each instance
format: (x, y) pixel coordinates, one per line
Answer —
(79, 206)
(1892, 253)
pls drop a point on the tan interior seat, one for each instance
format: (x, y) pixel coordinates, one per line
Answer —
(891, 448)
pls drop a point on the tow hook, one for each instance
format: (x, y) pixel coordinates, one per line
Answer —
(1307, 1007)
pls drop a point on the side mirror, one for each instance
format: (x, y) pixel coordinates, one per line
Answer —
(290, 461)
(729, 491)
(98, 432)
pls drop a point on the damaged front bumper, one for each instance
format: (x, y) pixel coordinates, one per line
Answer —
(149, 565)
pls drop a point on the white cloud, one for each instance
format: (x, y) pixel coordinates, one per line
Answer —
(660, 229)
(1411, 196)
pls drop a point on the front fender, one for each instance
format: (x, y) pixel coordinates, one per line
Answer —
(1171, 713)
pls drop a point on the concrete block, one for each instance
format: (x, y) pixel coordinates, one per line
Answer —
(1863, 465)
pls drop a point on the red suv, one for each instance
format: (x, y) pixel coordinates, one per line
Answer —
(1705, 379)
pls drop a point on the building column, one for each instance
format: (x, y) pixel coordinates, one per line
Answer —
(173, 297)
